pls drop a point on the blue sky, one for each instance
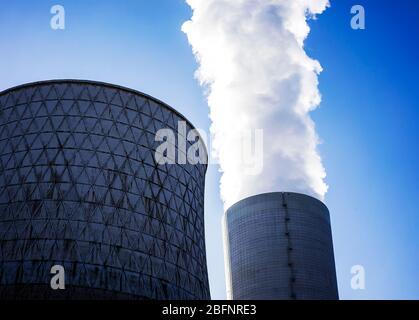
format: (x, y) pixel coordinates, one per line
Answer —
(367, 119)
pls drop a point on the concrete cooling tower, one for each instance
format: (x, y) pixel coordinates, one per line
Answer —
(80, 188)
(279, 246)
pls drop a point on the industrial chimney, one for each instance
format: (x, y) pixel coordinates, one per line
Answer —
(279, 246)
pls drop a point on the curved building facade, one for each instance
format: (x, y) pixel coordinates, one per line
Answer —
(278, 246)
(80, 188)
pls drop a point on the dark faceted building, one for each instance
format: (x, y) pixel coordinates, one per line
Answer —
(279, 247)
(80, 188)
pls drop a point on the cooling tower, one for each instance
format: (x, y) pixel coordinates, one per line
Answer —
(279, 246)
(80, 188)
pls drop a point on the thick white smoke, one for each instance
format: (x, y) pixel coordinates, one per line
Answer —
(258, 76)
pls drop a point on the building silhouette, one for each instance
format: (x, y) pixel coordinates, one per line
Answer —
(80, 188)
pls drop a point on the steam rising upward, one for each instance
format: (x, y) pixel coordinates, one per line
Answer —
(252, 61)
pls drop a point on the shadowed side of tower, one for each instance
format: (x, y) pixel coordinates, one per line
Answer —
(279, 246)
(80, 188)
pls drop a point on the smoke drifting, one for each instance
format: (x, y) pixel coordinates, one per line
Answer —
(257, 75)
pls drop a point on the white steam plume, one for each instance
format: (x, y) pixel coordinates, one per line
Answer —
(258, 76)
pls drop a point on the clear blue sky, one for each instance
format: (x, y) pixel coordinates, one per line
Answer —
(367, 120)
